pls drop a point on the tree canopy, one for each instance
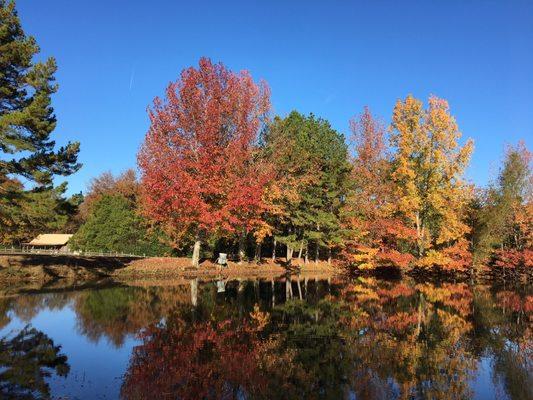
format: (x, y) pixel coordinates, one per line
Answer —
(217, 171)
(114, 226)
(198, 174)
(310, 160)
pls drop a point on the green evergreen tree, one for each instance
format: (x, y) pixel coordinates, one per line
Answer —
(26, 121)
(312, 158)
(38, 211)
(114, 226)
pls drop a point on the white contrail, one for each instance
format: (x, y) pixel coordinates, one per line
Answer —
(132, 77)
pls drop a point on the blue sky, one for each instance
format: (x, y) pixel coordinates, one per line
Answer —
(326, 57)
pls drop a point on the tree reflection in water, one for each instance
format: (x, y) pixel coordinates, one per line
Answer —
(308, 338)
(372, 340)
(25, 361)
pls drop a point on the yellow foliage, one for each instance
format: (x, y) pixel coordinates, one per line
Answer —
(365, 258)
(433, 258)
(427, 172)
(260, 318)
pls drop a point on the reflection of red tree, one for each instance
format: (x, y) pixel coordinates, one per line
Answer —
(208, 360)
(512, 259)
(399, 290)
(512, 301)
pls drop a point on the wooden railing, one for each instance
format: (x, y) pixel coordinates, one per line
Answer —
(54, 252)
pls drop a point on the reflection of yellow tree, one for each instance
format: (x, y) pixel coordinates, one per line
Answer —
(415, 337)
(28, 306)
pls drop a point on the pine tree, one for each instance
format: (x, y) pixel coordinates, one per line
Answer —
(26, 120)
(311, 165)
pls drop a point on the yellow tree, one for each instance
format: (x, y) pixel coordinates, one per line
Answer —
(427, 172)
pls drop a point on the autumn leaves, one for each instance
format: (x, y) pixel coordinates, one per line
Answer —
(199, 173)
(214, 166)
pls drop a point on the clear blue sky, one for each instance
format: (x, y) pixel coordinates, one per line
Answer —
(326, 57)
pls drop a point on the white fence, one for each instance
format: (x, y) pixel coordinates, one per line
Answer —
(54, 252)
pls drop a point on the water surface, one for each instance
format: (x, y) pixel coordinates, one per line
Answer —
(284, 339)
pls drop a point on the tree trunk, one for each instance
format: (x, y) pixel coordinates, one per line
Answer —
(242, 246)
(420, 310)
(289, 253)
(419, 233)
(240, 296)
(306, 254)
(196, 252)
(301, 250)
(288, 289)
(258, 252)
(329, 256)
(274, 250)
(317, 250)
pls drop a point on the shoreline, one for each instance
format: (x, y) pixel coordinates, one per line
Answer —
(34, 271)
(56, 272)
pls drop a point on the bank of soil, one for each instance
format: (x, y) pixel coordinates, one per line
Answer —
(160, 267)
(37, 270)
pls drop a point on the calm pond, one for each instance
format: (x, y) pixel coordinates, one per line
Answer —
(284, 339)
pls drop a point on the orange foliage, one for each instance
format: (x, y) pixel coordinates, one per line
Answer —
(399, 290)
(512, 258)
(512, 301)
(376, 231)
(459, 255)
(394, 258)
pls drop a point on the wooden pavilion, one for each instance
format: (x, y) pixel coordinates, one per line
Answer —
(49, 241)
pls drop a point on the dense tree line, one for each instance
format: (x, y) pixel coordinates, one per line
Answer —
(218, 173)
(394, 197)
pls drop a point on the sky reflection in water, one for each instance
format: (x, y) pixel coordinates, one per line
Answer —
(307, 338)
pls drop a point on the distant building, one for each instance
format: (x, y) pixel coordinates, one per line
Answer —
(50, 241)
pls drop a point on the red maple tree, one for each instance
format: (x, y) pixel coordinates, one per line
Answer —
(197, 161)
